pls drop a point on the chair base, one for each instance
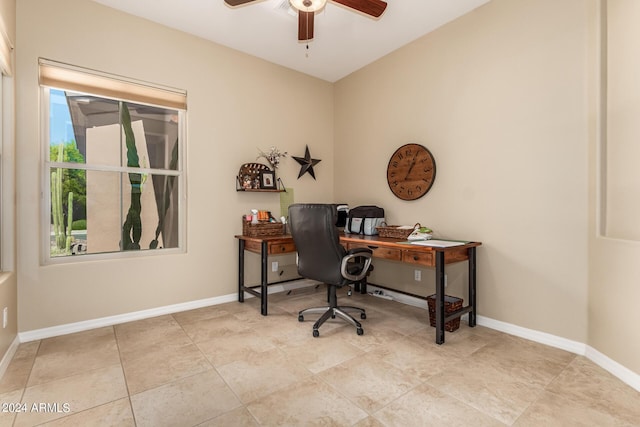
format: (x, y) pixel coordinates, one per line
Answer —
(332, 312)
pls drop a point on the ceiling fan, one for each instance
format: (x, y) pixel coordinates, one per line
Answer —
(307, 9)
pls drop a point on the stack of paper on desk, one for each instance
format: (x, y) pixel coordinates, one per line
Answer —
(437, 243)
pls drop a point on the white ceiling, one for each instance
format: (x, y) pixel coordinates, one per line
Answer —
(344, 41)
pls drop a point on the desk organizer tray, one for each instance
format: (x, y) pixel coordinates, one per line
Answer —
(395, 232)
(451, 304)
(262, 229)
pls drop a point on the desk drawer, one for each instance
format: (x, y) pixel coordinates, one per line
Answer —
(415, 257)
(281, 248)
(385, 253)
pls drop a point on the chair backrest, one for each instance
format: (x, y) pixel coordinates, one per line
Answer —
(317, 242)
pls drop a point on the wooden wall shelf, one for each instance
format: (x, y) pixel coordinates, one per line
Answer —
(254, 172)
(257, 190)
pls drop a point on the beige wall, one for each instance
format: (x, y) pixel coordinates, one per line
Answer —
(8, 277)
(499, 97)
(236, 104)
(622, 174)
(614, 269)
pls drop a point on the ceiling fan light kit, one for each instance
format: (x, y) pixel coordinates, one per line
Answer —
(308, 5)
(307, 9)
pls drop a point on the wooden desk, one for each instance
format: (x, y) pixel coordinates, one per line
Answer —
(385, 248)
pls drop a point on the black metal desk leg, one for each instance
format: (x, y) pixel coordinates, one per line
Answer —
(263, 279)
(241, 271)
(439, 297)
(472, 286)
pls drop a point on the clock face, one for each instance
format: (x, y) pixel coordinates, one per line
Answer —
(411, 171)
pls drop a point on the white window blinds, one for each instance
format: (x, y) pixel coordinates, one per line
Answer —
(68, 77)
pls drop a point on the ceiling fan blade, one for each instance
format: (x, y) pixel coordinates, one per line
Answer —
(373, 8)
(234, 3)
(305, 25)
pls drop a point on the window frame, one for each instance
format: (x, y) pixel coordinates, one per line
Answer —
(47, 165)
(7, 147)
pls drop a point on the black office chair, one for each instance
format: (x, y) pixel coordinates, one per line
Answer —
(321, 257)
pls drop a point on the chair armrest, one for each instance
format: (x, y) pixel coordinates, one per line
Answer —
(352, 254)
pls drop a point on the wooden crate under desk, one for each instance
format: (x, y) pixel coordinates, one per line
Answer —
(451, 305)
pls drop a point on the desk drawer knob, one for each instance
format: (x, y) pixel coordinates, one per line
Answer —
(416, 257)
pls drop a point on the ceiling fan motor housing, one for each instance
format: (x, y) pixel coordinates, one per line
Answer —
(308, 5)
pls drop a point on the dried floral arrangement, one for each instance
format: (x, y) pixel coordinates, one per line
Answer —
(273, 156)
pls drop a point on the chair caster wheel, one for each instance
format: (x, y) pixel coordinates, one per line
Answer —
(363, 316)
(300, 318)
(316, 333)
(359, 331)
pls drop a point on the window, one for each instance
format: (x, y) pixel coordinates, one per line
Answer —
(113, 164)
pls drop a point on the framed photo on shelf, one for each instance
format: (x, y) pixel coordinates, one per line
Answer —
(267, 180)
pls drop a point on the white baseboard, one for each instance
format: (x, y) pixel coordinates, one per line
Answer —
(624, 374)
(70, 328)
(614, 368)
(533, 335)
(8, 355)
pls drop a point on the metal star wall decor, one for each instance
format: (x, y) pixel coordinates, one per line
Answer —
(307, 163)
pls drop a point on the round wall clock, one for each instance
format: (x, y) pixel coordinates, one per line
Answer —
(411, 171)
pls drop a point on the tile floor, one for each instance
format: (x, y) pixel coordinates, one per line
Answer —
(227, 365)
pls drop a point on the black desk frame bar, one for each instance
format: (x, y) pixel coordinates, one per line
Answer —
(264, 285)
(441, 319)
